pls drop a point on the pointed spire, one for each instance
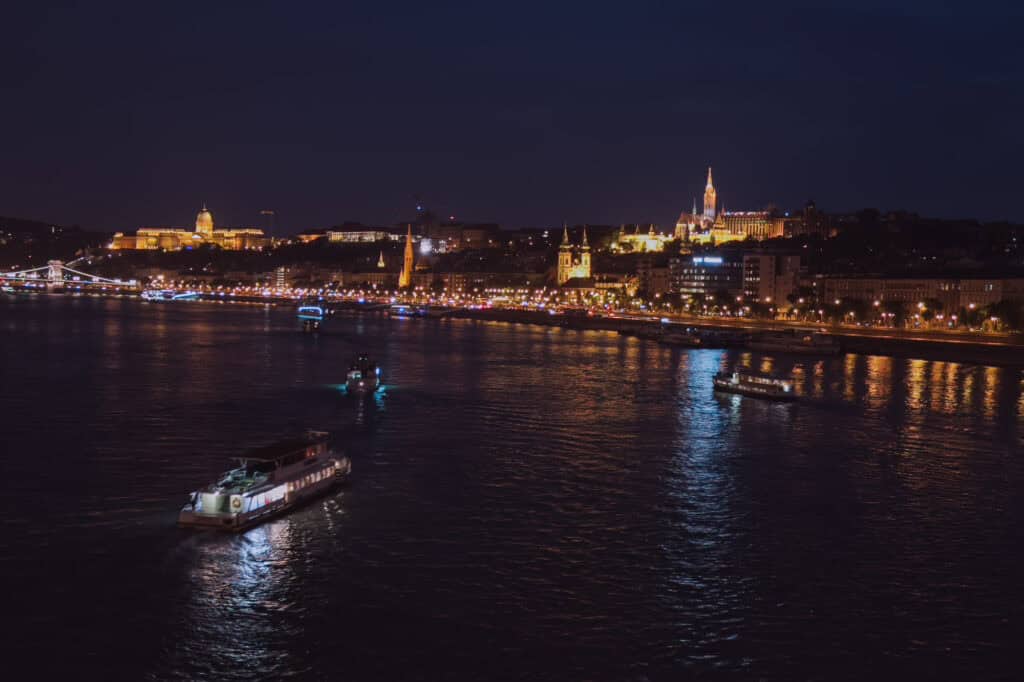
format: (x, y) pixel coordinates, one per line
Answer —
(694, 206)
(380, 261)
(585, 244)
(565, 234)
(709, 177)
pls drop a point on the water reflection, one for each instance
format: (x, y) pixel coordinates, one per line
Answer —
(528, 487)
(238, 588)
(991, 391)
(879, 380)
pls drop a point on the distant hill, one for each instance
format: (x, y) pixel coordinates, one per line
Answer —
(36, 228)
(26, 242)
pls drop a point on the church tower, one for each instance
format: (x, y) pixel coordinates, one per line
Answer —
(405, 279)
(380, 261)
(564, 257)
(710, 197)
(584, 269)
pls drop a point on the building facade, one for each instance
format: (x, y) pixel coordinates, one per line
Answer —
(705, 274)
(176, 238)
(637, 240)
(573, 263)
(953, 294)
(770, 278)
(356, 235)
(653, 278)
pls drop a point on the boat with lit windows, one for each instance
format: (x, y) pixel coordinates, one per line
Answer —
(755, 385)
(363, 375)
(165, 295)
(403, 310)
(268, 481)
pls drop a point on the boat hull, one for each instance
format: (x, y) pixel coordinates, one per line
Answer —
(365, 386)
(794, 349)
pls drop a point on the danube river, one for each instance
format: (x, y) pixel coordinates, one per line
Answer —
(527, 502)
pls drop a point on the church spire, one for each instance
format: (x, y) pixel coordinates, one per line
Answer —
(565, 235)
(585, 244)
(405, 278)
(710, 200)
(380, 261)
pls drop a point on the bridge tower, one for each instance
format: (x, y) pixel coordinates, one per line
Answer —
(56, 273)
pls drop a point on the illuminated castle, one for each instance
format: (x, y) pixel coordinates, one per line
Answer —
(175, 238)
(719, 226)
(569, 264)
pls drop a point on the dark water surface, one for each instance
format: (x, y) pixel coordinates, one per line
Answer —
(527, 502)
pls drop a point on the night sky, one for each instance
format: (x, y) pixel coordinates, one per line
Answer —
(120, 114)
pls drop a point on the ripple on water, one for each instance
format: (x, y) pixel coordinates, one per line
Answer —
(528, 502)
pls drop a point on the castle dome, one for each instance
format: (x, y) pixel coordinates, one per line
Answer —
(204, 221)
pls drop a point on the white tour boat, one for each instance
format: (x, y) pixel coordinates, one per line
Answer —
(269, 481)
(756, 385)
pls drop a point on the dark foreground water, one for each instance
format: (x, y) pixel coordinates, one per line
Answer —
(528, 502)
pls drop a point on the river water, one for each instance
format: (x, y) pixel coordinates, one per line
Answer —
(527, 502)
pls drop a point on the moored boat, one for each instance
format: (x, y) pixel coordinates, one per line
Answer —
(269, 481)
(165, 295)
(403, 310)
(687, 337)
(796, 343)
(755, 385)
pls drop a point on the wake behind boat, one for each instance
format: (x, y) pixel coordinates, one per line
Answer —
(270, 481)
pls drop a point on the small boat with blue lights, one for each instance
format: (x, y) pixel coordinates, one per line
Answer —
(755, 385)
(268, 481)
(167, 295)
(403, 310)
(311, 316)
(311, 312)
(363, 375)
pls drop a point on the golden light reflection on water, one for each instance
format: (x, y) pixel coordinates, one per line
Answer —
(936, 385)
(1020, 392)
(917, 381)
(951, 378)
(991, 400)
(799, 380)
(967, 389)
(880, 379)
(819, 379)
(849, 377)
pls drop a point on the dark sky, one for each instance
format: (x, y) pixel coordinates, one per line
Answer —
(121, 114)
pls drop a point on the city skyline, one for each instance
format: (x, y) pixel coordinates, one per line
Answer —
(520, 118)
